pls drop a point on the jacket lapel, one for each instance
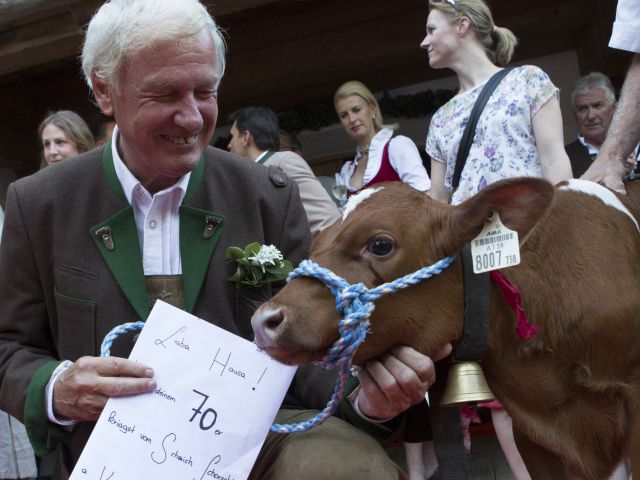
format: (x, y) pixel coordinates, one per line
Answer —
(118, 243)
(200, 231)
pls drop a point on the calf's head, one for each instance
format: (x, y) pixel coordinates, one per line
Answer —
(386, 233)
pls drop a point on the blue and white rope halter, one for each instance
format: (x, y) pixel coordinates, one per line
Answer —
(354, 302)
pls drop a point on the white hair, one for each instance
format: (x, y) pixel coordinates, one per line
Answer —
(590, 82)
(124, 27)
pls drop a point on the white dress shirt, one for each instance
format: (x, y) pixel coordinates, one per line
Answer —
(157, 218)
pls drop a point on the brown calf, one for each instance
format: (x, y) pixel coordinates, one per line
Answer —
(573, 391)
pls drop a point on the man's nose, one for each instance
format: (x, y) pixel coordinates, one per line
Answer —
(188, 115)
(425, 43)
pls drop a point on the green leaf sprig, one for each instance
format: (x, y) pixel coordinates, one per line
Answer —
(258, 265)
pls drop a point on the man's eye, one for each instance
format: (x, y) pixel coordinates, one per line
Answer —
(207, 94)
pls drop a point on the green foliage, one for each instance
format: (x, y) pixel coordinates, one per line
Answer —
(258, 265)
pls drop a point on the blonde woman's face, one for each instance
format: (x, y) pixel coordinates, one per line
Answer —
(56, 145)
(356, 117)
(442, 39)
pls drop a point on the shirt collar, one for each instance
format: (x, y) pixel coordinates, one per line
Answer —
(377, 142)
(590, 148)
(261, 155)
(129, 182)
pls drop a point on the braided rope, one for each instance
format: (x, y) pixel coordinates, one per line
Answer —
(105, 348)
(356, 303)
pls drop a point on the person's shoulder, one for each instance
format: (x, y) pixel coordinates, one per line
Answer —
(289, 162)
(529, 72)
(82, 168)
(220, 160)
(439, 116)
(401, 142)
(224, 167)
(289, 157)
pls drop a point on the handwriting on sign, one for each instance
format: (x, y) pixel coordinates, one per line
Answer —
(163, 343)
(161, 457)
(104, 475)
(211, 472)
(220, 362)
(158, 391)
(205, 424)
(124, 428)
(203, 421)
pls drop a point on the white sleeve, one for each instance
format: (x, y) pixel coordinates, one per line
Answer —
(626, 28)
(406, 161)
(65, 422)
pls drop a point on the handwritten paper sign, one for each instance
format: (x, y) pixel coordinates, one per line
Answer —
(216, 399)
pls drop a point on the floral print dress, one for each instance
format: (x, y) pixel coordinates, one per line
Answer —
(504, 145)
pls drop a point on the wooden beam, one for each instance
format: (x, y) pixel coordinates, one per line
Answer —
(226, 7)
(16, 13)
(41, 42)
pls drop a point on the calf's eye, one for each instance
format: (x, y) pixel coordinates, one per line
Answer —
(380, 246)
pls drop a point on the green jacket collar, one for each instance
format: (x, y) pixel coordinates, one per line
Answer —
(117, 240)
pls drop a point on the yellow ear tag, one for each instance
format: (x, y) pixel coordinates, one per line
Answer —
(496, 247)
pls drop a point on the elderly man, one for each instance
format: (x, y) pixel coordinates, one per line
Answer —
(594, 101)
(255, 134)
(91, 243)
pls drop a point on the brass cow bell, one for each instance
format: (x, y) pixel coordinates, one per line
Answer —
(466, 383)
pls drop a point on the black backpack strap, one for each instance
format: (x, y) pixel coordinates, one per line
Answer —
(470, 129)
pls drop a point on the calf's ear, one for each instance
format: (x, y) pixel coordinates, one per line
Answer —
(520, 202)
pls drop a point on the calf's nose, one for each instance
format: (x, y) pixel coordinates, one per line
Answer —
(265, 323)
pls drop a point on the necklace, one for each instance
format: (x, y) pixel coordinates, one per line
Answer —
(363, 150)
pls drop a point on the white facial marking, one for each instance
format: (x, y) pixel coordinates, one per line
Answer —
(357, 199)
(598, 191)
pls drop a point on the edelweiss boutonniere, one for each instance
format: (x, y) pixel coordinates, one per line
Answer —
(258, 265)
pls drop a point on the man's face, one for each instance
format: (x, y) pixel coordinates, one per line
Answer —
(166, 107)
(238, 142)
(593, 114)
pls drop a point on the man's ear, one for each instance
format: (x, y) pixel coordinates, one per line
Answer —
(246, 138)
(102, 92)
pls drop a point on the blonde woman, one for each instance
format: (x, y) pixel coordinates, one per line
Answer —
(520, 130)
(518, 134)
(380, 156)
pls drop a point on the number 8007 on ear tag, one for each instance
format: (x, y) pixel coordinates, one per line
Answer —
(496, 247)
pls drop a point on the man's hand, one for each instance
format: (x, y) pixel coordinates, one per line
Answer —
(82, 390)
(396, 381)
(608, 172)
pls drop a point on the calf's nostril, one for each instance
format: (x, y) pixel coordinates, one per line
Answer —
(274, 320)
